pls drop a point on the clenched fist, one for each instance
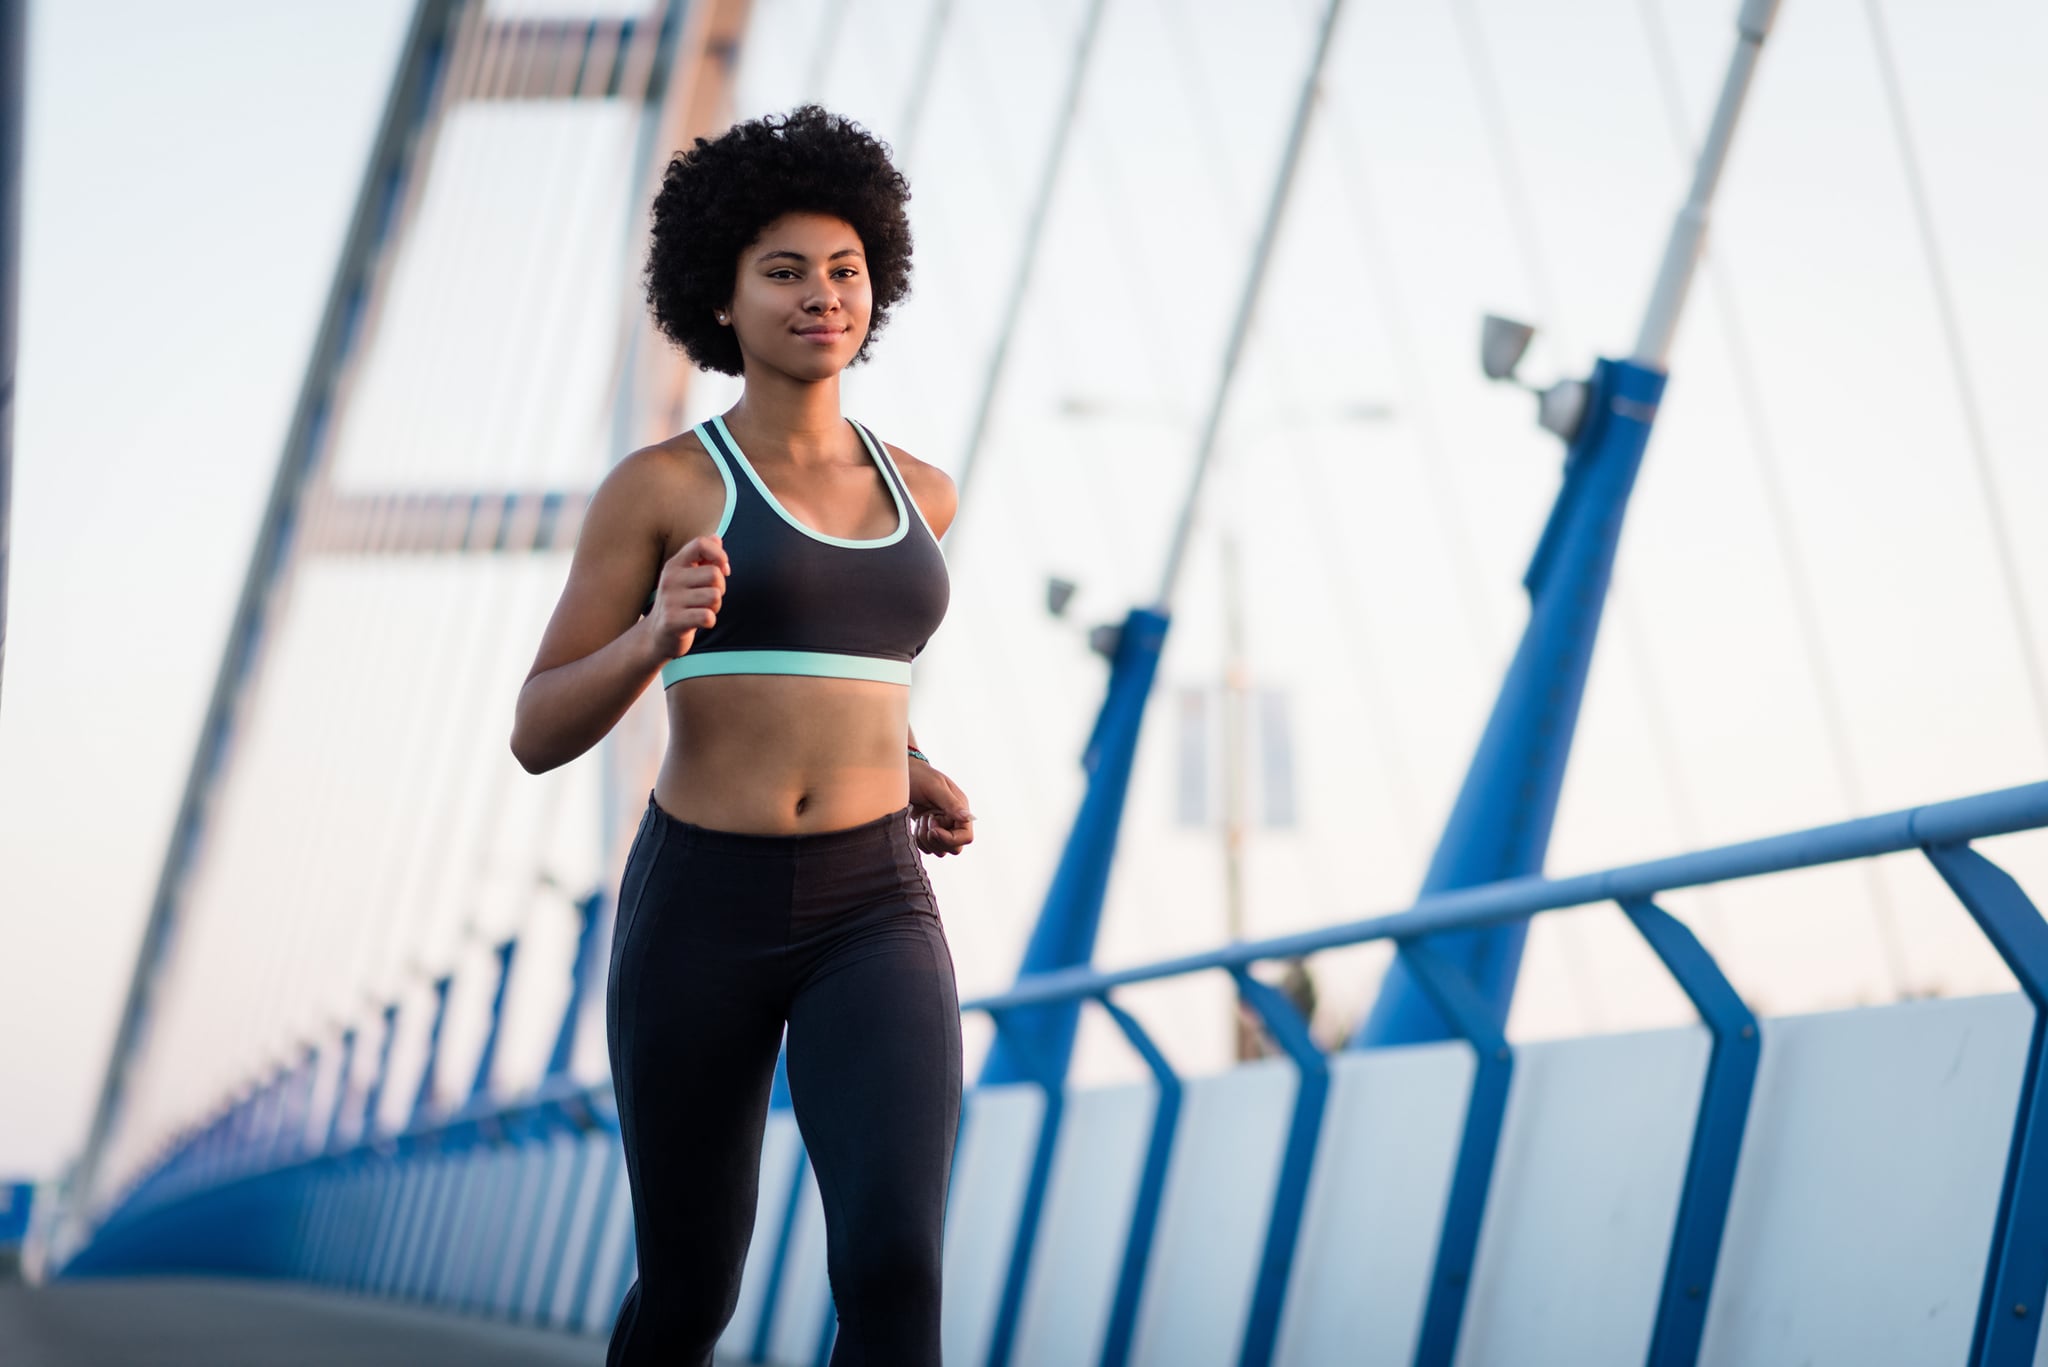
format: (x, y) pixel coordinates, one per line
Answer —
(941, 821)
(687, 597)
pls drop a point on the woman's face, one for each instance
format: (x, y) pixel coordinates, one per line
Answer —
(801, 300)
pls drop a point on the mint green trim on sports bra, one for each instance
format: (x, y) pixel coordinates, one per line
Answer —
(816, 664)
(881, 451)
(732, 490)
(767, 494)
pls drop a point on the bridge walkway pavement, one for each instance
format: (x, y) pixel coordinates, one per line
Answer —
(204, 1322)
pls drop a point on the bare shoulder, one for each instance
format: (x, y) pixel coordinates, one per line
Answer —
(671, 490)
(933, 488)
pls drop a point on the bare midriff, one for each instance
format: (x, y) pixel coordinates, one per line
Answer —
(768, 754)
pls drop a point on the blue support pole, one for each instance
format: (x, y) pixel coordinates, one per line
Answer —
(1065, 933)
(1130, 1279)
(1443, 1309)
(1716, 1134)
(1500, 826)
(2015, 1290)
(1290, 1191)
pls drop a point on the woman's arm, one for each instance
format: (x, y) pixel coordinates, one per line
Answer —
(942, 822)
(598, 652)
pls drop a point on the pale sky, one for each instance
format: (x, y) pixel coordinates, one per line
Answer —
(169, 299)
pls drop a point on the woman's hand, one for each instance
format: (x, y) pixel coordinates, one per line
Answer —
(939, 815)
(686, 597)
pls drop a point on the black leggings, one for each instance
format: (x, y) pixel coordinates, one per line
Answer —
(721, 938)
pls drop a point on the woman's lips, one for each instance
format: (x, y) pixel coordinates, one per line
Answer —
(823, 336)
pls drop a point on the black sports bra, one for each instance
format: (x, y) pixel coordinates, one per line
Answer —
(802, 602)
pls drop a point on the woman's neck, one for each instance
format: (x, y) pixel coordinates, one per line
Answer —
(801, 418)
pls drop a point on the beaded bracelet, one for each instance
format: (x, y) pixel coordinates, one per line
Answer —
(916, 753)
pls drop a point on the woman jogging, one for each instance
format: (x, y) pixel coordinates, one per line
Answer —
(778, 567)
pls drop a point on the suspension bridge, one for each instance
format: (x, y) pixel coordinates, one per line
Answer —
(1288, 1046)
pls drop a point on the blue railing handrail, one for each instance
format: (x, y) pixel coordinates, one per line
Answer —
(407, 1213)
(2001, 812)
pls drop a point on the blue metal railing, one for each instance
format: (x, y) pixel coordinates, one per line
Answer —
(2018, 1273)
(430, 1214)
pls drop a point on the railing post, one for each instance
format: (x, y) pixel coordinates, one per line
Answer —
(1716, 1136)
(1130, 1279)
(1472, 1016)
(340, 1089)
(480, 1085)
(2016, 1273)
(564, 1052)
(373, 1099)
(423, 1096)
(291, 1135)
(1290, 1190)
(1042, 1056)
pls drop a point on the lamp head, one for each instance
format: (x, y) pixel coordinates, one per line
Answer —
(1058, 593)
(1562, 408)
(1502, 342)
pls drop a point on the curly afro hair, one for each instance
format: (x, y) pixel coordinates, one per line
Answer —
(717, 197)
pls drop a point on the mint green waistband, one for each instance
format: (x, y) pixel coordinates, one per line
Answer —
(817, 664)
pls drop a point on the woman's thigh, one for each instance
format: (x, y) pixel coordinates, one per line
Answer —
(694, 1013)
(875, 1077)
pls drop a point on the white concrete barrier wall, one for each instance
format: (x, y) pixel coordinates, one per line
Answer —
(1585, 1192)
(1858, 1233)
(990, 1174)
(1089, 1202)
(781, 1146)
(1861, 1223)
(1375, 1204)
(806, 1296)
(1212, 1220)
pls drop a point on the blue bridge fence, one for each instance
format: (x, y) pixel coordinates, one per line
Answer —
(519, 1210)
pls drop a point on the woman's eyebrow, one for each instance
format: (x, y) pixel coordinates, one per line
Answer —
(782, 253)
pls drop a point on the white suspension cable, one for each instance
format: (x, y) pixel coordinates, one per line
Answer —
(1763, 449)
(1507, 169)
(234, 1026)
(1248, 299)
(1959, 367)
(311, 852)
(328, 814)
